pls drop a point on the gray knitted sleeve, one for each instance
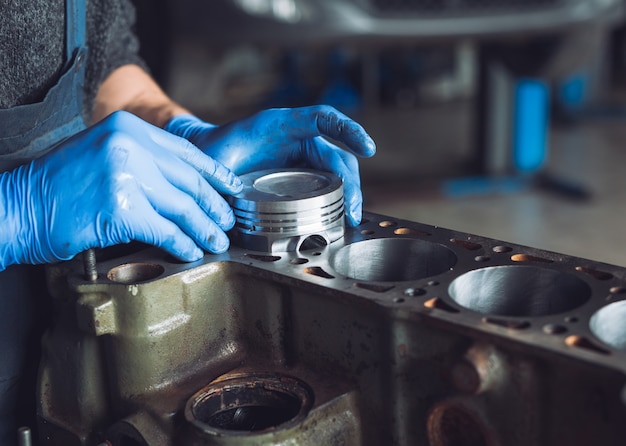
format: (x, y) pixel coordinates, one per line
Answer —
(32, 47)
(111, 43)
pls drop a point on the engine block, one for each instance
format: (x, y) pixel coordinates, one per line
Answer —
(398, 333)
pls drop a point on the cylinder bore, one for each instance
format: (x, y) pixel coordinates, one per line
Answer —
(243, 404)
(393, 259)
(131, 273)
(519, 291)
(609, 325)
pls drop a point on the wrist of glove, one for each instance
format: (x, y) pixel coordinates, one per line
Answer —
(18, 234)
(12, 236)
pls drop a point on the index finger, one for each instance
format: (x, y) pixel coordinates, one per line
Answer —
(327, 121)
(218, 175)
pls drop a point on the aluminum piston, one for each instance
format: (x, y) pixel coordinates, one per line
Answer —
(288, 210)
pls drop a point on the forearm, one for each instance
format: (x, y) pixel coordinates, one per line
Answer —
(131, 89)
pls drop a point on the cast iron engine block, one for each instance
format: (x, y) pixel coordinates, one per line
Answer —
(398, 333)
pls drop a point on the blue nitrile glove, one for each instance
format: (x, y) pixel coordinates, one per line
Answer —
(120, 180)
(286, 138)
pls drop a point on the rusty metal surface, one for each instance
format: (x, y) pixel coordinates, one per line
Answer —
(399, 333)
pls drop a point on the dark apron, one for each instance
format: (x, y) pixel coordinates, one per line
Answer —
(28, 132)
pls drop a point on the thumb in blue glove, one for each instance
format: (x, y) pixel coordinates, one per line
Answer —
(278, 138)
(120, 180)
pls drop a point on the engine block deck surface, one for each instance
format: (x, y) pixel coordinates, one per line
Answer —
(398, 333)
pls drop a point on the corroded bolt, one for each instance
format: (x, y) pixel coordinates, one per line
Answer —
(479, 369)
(24, 437)
(465, 377)
(89, 263)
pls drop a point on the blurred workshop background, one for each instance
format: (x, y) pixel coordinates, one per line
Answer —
(502, 118)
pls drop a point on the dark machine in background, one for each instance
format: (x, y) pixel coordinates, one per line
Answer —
(305, 21)
(364, 56)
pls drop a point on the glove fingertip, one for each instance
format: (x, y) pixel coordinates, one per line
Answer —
(193, 255)
(227, 220)
(235, 184)
(354, 211)
(370, 147)
(220, 245)
(197, 254)
(226, 188)
(223, 179)
(354, 219)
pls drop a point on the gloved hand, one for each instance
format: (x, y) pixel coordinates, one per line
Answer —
(286, 138)
(120, 180)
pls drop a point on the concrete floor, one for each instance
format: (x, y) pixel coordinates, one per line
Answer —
(591, 153)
